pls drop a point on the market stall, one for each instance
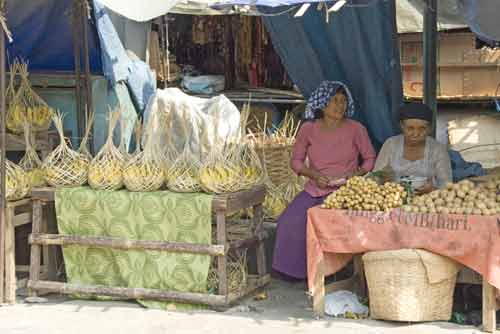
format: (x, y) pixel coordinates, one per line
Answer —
(352, 229)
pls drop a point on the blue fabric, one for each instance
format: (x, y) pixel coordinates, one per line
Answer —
(141, 84)
(320, 98)
(482, 17)
(43, 35)
(462, 169)
(357, 47)
(115, 61)
(117, 65)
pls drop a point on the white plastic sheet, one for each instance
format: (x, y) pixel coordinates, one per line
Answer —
(340, 302)
(200, 114)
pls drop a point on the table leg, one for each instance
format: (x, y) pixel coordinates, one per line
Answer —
(318, 293)
(35, 248)
(50, 252)
(489, 307)
(259, 231)
(10, 257)
(222, 260)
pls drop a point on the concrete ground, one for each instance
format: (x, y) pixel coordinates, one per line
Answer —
(286, 310)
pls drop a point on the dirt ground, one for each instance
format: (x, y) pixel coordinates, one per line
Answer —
(286, 310)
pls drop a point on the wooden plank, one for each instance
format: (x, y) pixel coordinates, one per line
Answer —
(117, 243)
(21, 202)
(489, 307)
(131, 293)
(222, 260)
(318, 293)
(22, 219)
(226, 202)
(2, 255)
(10, 258)
(239, 200)
(35, 248)
(46, 194)
(26, 269)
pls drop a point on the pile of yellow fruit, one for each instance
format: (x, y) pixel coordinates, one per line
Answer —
(366, 195)
(463, 198)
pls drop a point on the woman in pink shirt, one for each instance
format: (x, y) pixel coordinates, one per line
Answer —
(336, 147)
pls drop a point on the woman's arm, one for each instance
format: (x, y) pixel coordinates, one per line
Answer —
(366, 150)
(299, 154)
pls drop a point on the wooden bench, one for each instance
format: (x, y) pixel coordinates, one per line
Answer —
(357, 284)
(222, 206)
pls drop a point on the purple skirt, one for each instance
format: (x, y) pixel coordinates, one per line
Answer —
(290, 256)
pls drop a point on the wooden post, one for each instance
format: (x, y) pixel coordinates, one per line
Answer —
(10, 257)
(260, 251)
(3, 200)
(35, 248)
(489, 307)
(85, 16)
(319, 291)
(76, 25)
(222, 260)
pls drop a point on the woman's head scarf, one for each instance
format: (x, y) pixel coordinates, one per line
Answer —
(320, 98)
(415, 110)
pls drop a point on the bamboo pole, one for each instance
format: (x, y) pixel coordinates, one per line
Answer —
(116, 243)
(2, 163)
(85, 16)
(131, 293)
(76, 22)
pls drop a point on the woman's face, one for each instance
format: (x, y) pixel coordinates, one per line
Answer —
(336, 108)
(415, 130)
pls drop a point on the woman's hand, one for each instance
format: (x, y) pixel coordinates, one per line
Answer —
(321, 181)
(425, 189)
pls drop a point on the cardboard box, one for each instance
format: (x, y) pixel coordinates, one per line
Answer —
(463, 71)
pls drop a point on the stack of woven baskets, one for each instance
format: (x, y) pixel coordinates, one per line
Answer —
(275, 150)
(410, 285)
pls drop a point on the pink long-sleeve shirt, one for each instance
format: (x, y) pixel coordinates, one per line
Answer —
(332, 153)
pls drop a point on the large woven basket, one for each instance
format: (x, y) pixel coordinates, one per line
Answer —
(400, 288)
(276, 162)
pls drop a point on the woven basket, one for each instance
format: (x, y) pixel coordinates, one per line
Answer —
(276, 162)
(399, 287)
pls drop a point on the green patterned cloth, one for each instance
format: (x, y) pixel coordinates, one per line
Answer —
(161, 216)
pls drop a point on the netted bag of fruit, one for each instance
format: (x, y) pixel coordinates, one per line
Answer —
(84, 149)
(64, 167)
(17, 183)
(182, 174)
(145, 170)
(221, 172)
(30, 162)
(106, 169)
(27, 105)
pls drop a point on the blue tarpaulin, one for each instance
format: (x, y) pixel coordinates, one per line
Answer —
(43, 35)
(357, 46)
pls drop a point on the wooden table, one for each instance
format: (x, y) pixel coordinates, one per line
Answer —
(222, 206)
(357, 284)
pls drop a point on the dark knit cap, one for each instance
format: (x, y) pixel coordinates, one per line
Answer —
(415, 110)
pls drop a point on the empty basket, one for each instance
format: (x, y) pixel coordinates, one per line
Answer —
(410, 285)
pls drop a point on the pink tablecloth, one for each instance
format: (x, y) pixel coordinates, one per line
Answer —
(333, 237)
